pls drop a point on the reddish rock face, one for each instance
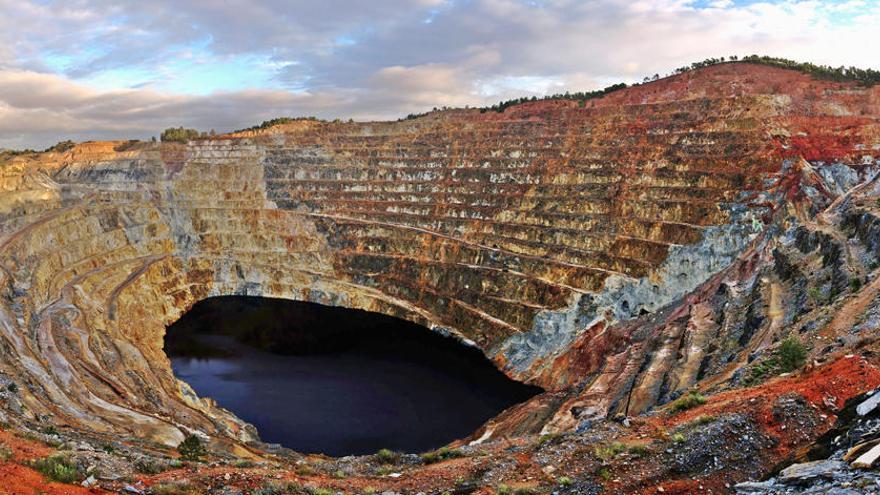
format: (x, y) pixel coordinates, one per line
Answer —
(585, 248)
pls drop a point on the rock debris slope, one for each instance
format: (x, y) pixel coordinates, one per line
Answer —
(617, 253)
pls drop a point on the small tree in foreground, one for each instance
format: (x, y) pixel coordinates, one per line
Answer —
(191, 448)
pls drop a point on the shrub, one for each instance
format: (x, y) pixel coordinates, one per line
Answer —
(547, 438)
(792, 355)
(172, 488)
(321, 491)
(605, 473)
(639, 449)
(678, 438)
(855, 284)
(304, 470)
(150, 466)
(688, 401)
(789, 356)
(61, 146)
(278, 121)
(609, 451)
(704, 419)
(191, 448)
(58, 468)
(178, 135)
(386, 456)
(815, 294)
(5, 452)
(564, 481)
(288, 488)
(441, 454)
(503, 490)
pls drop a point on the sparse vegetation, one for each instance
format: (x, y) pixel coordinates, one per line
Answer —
(639, 449)
(61, 146)
(172, 488)
(5, 452)
(609, 451)
(244, 463)
(58, 468)
(580, 96)
(704, 419)
(865, 77)
(321, 491)
(547, 438)
(266, 124)
(191, 448)
(855, 284)
(441, 454)
(386, 456)
(688, 401)
(178, 135)
(304, 470)
(279, 488)
(150, 466)
(604, 473)
(789, 356)
(815, 295)
(792, 355)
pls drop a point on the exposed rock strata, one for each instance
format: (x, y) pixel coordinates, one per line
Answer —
(616, 254)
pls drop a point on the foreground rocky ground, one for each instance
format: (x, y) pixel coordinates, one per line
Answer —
(736, 436)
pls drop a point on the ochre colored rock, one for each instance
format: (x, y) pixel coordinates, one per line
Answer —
(579, 247)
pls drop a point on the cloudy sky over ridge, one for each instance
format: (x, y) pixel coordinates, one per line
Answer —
(95, 69)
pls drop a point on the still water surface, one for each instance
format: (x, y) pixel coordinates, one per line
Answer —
(407, 389)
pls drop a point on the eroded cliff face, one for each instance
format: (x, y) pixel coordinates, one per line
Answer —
(616, 253)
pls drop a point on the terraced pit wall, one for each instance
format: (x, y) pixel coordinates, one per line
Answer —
(538, 234)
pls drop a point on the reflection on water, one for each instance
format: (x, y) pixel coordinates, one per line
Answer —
(400, 387)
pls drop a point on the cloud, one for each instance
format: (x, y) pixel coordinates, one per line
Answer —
(97, 68)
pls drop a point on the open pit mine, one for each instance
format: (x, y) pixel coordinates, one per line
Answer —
(687, 268)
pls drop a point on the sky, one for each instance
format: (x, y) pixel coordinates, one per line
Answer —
(100, 69)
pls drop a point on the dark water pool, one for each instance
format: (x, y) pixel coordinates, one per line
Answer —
(329, 380)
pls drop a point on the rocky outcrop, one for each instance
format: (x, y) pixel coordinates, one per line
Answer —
(616, 253)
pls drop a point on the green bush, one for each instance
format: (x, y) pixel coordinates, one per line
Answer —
(855, 284)
(564, 481)
(441, 454)
(607, 452)
(178, 135)
(191, 448)
(58, 468)
(704, 419)
(386, 456)
(789, 356)
(792, 355)
(5, 452)
(688, 401)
